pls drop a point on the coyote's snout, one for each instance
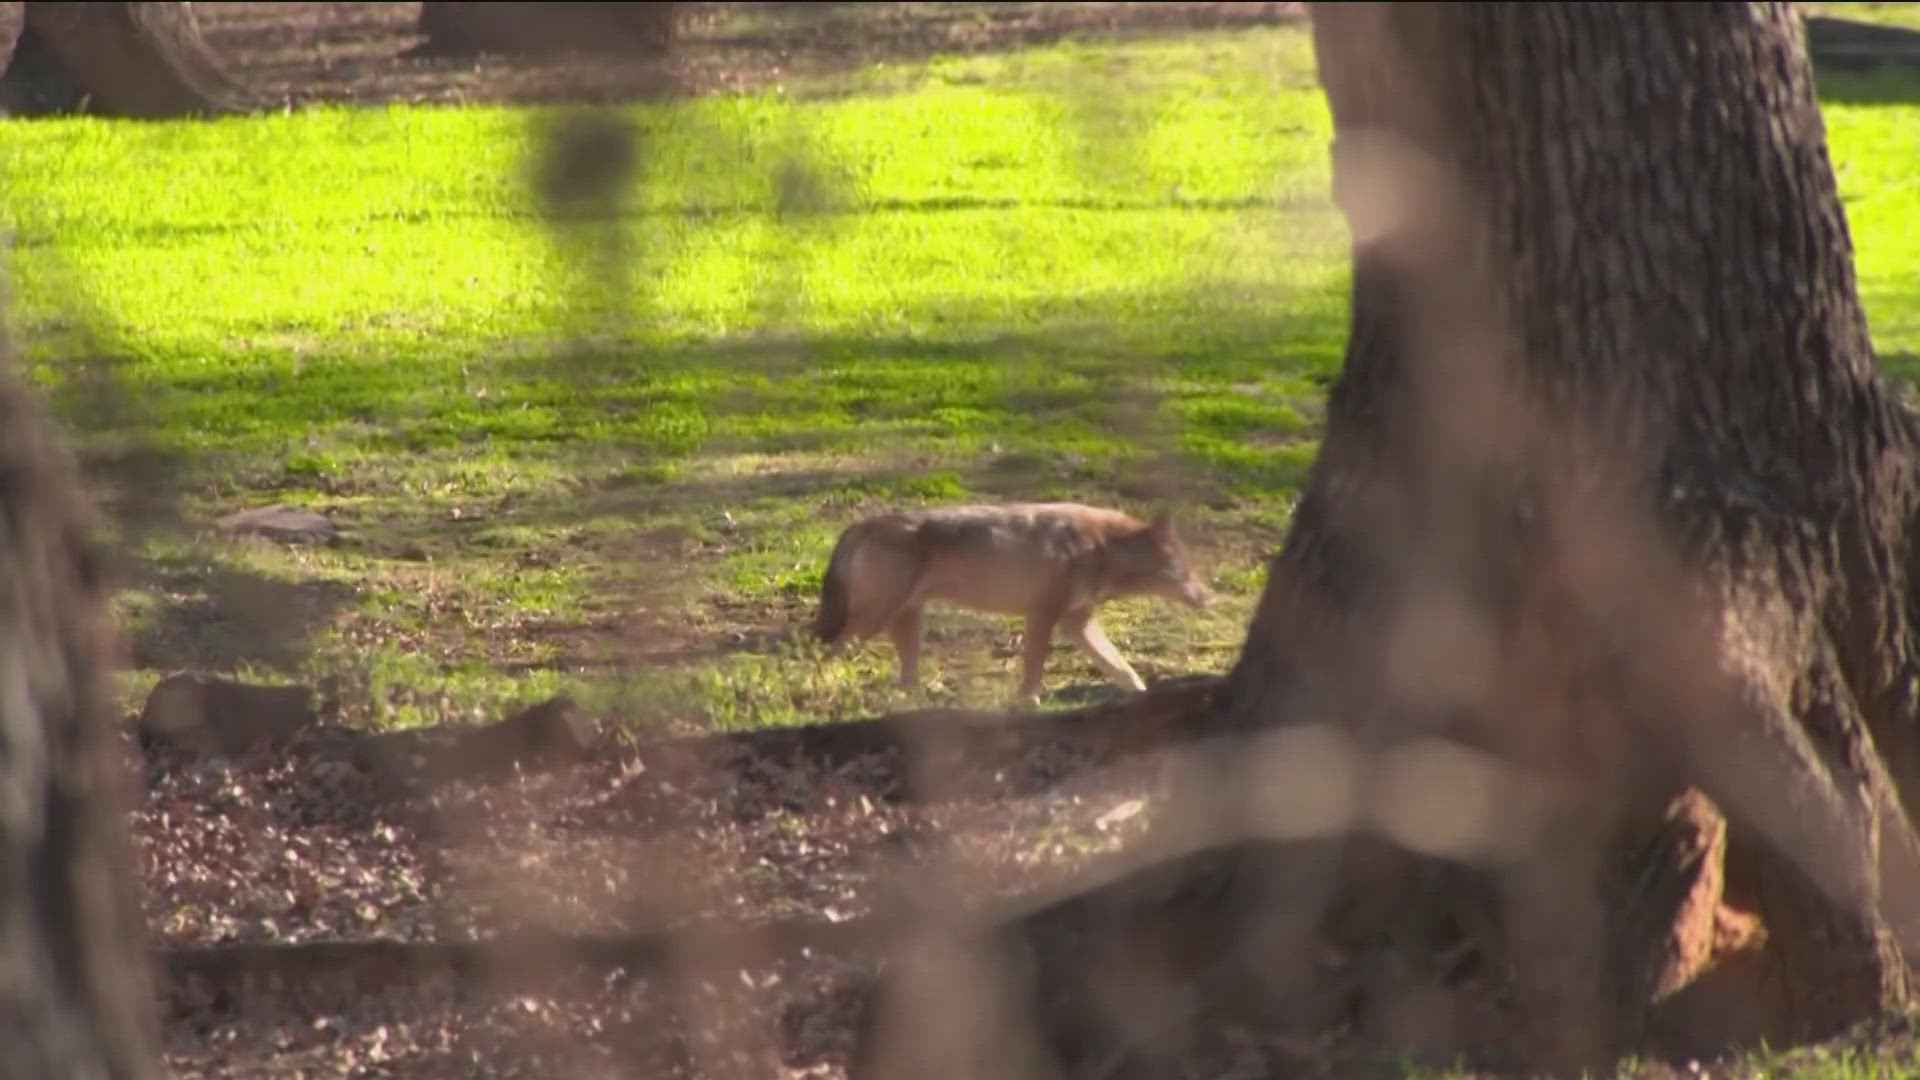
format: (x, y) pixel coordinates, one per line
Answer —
(1051, 562)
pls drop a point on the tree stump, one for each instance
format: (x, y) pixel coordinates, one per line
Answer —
(115, 59)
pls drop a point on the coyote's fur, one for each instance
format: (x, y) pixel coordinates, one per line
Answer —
(1051, 562)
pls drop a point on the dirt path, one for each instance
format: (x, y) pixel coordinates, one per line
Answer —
(352, 52)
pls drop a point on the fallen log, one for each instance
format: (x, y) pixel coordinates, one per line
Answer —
(550, 735)
(936, 748)
(940, 745)
(926, 755)
(221, 976)
(205, 714)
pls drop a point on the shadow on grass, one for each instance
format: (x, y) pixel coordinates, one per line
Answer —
(213, 615)
(165, 232)
(1864, 63)
(1869, 82)
(797, 434)
(1060, 406)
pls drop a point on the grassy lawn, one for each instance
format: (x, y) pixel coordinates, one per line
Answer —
(610, 456)
(1889, 12)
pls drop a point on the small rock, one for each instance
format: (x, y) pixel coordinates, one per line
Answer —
(1129, 809)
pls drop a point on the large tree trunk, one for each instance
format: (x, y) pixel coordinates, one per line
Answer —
(1612, 512)
(115, 59)
(75, 1000)
(457, 28)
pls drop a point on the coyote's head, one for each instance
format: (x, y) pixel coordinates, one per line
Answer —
(1154, 561)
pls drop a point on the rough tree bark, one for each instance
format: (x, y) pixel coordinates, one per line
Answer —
(621, 29)
(115, 59)
(1612, 512)
(75, 1000)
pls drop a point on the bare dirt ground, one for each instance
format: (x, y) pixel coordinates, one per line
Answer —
(297, 845)
(354, 52)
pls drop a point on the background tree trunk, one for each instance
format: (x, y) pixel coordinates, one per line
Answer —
(75, 1000)
(633, 30)
(1611, 505)
(116, 59)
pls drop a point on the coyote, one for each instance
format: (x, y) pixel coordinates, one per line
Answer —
(1051, 562)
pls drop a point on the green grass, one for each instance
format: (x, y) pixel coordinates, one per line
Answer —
(1902, 13)
(611, 458)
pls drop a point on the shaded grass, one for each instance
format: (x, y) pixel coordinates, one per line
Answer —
(609, 454)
